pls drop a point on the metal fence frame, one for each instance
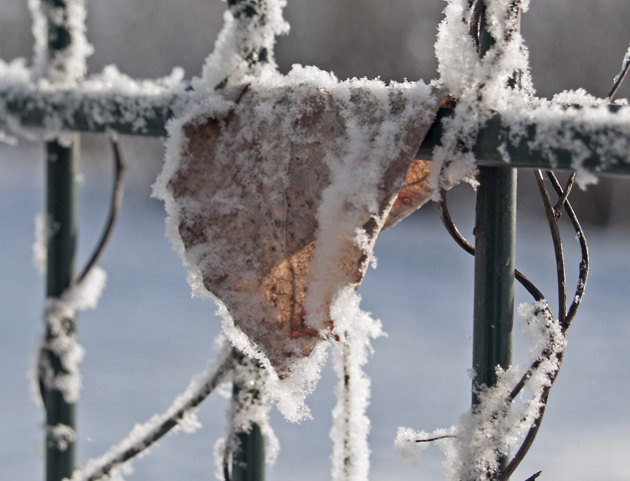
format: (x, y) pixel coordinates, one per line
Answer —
(495, 222)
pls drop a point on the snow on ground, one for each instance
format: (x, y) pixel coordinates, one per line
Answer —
(147, 337)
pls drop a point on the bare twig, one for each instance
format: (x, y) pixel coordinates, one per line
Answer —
(477, 8)
(557, 246)
(625, 67)
(557, 209)
(584, 263)
(114, 210)
(552, 219)
(468, 247)
(436, 438)
(565, 323)
(534, 476)
(553, 214)
(130, 447)
(530, 436)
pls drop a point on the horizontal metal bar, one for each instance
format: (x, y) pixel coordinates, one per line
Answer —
(130, 113)
(603, 145)
(600, 147)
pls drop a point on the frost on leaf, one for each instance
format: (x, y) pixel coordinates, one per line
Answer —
(279, 199)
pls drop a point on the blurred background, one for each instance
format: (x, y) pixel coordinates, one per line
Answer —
(147, 336)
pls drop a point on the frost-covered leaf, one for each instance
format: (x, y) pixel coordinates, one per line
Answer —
(279, 198)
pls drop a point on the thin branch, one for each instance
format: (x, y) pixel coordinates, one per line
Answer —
(457, 236)
(560, 268)
(531, 434)
(477, 8)
(114, 209)
(436, 438)
(584, 263)
(557, 245)
(625, 67)
(553, 214)
(534, 476)
(565, 323)
(563, 196)
(545, 355)
(131, 447)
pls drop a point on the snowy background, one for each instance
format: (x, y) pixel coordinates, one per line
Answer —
(148, 337)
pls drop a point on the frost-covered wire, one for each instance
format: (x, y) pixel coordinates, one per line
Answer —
(246, 41)
(59, 343)
(351, 426)
(550, 358)
(144, 435)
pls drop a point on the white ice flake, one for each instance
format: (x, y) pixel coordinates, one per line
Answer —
(481, 85)
(44, 228)
(60, 436)
(63, 343)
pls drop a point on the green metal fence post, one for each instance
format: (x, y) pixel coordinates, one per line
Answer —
(61, 210)
(495, 241)
(61, 166)
(495, 234)
(249, 459)
(248, 455)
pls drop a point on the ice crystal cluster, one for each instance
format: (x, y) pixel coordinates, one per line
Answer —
(491, 429)
(498, 83)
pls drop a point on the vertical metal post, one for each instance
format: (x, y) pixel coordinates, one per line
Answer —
(248, 463)
(248, 455)
(61, 166)
(61, 210)
(495, 241)
(495, 234)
